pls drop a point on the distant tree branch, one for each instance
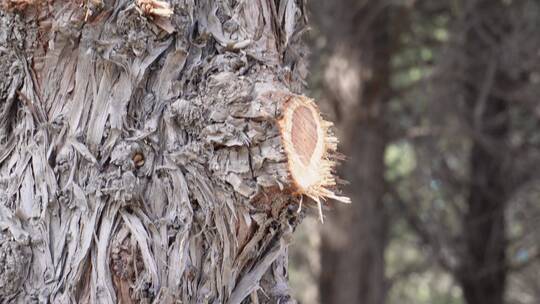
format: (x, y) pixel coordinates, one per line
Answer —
(411, 269)
(421, 230)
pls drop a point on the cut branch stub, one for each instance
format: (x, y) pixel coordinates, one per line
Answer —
(308, 144)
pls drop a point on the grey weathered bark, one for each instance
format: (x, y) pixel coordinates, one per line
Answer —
(357, 85)
(153, 151)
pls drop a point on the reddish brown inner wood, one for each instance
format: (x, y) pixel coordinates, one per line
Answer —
(304, 133)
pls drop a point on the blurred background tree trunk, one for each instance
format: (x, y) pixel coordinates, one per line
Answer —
(356, 88)
(483, 267)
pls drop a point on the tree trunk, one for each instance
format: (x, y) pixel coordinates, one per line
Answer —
(483, 272)
(358, 85)
(153, 152)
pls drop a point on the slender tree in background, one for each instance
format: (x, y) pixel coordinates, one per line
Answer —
(483, 265)
(357, 87)
(152, 151)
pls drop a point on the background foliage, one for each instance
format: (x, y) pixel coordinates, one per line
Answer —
(459, 113)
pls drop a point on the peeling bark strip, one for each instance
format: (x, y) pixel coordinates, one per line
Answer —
(154, 151)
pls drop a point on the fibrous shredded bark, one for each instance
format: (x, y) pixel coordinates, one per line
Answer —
(143, 161)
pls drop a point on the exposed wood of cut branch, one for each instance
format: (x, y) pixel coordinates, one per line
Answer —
(308, 143)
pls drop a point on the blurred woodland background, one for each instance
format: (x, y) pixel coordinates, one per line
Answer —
(436, 104)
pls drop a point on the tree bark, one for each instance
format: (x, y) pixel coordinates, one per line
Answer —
(154, 152)
(357, 84)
